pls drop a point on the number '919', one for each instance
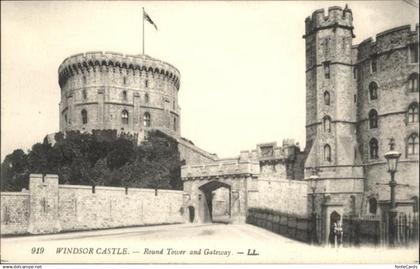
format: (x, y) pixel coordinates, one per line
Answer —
(35, 250)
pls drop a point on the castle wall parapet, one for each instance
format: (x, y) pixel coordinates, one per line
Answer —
(387, 41)
(51, 208)
(336, 18)
(220, 169)
(116, 62)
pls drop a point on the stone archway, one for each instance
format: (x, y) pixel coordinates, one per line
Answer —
(208, 190)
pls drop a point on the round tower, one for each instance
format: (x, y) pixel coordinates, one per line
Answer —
(128, 93)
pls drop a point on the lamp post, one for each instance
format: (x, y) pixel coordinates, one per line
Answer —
(392, 157)
(313, 181)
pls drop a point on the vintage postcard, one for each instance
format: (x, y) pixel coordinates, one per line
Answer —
(209, 132)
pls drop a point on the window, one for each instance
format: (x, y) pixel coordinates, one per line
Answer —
(414, 53)
(355, 98)
(125, 80)
(373, 90)
(84, 116)
(352, 204)
(373, 206)
(343, 43)
(415, 204)
(354, 72)
(174, 124)
(373, 65)
(327, 70)
(373, 146)
(413, 113)
(326, 98)
(84, 79)
(124, 93)
(146, 119)
(327, 153)
(327, 46)
(413, 144)
(84, 94)
(146, 98)
(327, 124)
(146, 83)
(373, 119)
(124, 117)
(413, 82)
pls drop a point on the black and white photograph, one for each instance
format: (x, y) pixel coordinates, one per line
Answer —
(210, 132)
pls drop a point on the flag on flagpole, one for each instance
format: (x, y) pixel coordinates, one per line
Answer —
(147, 18)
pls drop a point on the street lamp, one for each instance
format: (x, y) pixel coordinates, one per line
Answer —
(313, 184)
(392, 157)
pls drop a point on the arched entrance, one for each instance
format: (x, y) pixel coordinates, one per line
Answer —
(218, 210)
(191, 213)
(334, 218)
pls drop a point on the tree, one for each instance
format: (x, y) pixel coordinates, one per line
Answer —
(100, 158)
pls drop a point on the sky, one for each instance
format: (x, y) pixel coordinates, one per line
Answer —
(242, 64)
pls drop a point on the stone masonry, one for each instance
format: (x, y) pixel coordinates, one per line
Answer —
(129, 93)
(50, 208)
(357, 98)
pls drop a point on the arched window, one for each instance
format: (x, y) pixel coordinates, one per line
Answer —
(373, 206)
(373, 91)
(84, 94)
(413, 113)
(65, 118)
(146, 119)
(413, 144)
(413, 82)
(326, 98)
(146, 98)
(125, 80)
(327, 124)
(373, 119)
(124, 116)
(174, 124)
(327, 153)
(146, 83)
(124, 94)
(84, 116)
(373, 147)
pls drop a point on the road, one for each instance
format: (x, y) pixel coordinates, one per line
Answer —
(186, 243)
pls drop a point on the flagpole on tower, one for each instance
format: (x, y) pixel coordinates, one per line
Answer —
(143, 29)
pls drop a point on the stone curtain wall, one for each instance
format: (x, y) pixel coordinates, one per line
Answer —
(80, 209)
(286, 196)
(14, 212)
(50, 208)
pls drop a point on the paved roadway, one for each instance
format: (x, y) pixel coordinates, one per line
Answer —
(207, 243)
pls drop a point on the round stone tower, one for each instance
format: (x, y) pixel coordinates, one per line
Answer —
(128, 93)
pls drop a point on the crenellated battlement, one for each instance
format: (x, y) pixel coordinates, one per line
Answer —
(337, 17)
(98, 61)
(221, 168)
(386, 41)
